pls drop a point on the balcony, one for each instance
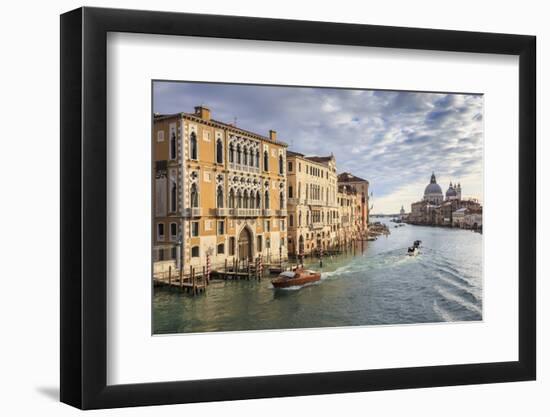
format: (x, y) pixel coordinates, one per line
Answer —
(245, 168)
(192, 212)
(281, 213)
(244, 212)
(316, 226)
(221, 212)
(267, 212)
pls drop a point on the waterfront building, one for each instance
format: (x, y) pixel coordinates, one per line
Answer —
(312, 203)
(362, 187)
(351, 215)
(219, 190)
(402, 213)
(435, 210)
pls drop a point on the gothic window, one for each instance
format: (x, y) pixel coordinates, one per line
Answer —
(239, 200)
(251, 160)
(266, 161)
(173, 146)
(219, 151)
(291, 220)
(281, 200)
(251, 205)
(194, 196)
(231, 153)
(173, 198)
(290, 191)
(239, 154)
(245, 156)
(219, 197)
(231, 199)
(300, 219)
(258, 200)
(281, 165)
(245, 200)
(257, 159)
(193, 146)
(266, 199)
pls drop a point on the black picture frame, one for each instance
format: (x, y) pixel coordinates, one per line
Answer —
(84, 207)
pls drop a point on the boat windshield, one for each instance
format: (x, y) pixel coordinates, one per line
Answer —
(287, 274)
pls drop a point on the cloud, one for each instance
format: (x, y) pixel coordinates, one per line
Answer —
(393, 139)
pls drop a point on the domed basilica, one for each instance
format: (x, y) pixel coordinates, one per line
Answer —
(434, 195)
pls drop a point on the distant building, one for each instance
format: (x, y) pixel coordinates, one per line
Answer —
(402, 213)
(451, 211)
(362, 187)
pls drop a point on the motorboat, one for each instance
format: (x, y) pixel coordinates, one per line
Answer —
(295, 278)
(412, 251)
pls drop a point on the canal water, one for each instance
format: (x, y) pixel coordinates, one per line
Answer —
(380, 284)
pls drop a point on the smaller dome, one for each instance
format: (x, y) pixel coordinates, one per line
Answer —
(450, 193)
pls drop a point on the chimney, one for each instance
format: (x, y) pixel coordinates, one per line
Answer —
(273, 135)
(203, 112)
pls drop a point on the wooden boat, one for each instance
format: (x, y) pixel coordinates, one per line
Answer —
(295, 278)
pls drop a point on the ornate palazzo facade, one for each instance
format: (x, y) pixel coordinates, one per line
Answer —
(218, 191)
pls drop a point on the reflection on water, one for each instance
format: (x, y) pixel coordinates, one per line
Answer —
(379, 285)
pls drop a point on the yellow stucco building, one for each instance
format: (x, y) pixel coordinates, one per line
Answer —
(312, 203)
(218, 190)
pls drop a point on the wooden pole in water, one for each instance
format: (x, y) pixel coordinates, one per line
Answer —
(170, 276)
(193, 280)
(181, 275)
(225, 270)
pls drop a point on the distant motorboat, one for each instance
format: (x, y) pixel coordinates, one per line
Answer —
(412, 251)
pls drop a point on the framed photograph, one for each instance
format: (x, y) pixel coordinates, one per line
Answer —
(257, 208)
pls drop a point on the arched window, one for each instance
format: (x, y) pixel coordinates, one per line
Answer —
(245, 156)
(307, 217)
(257, 159)
(239, 154)
(266, 200)
(219, 197)
(231, 198)
(219, 151)
(239, 199)
(194, 196)
(281, 165)
(245, 199)
(300, 219)
(251, 159)
(251, 205)
(231, 153)
(193, 146)
(173, 198)
(281, 200)
(266, 161)
(173, 146)
(291, 220)
(258, 200)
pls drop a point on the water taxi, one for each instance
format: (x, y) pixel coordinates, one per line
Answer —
(295, 278)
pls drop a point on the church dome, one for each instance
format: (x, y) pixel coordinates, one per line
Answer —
(433, 188)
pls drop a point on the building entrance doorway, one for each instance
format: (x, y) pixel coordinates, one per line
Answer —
(245, 245)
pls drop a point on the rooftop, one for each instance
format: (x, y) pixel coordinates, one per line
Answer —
(347, 177)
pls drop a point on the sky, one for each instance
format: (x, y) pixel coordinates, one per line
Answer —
(394, 139)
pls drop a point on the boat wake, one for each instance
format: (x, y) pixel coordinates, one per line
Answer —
(449, 296)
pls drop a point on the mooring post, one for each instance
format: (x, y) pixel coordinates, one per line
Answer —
(193, 280)
(170, 276)
(181, 276)
(225, 270)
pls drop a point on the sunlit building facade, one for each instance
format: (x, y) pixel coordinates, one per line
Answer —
(218, 191)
